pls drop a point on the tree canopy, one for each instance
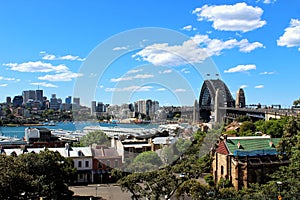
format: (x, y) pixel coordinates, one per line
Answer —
(95, 137)
(31, 175)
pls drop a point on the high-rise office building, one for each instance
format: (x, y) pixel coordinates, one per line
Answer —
(93, 108)
(54, 103)
(101, 107)
(76, 100)
(39, 95)
(68, 100)
(28, 95)
(8, 100)
(196, 112)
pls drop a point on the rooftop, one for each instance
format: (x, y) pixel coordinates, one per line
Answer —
(249, 146)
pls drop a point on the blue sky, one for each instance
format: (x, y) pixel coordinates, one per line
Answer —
(53, 44)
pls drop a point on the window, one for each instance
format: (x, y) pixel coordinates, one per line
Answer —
(116, 163)
(222, 170)
(80, 153)
(86, 163)
(79, 163)
(80, 176)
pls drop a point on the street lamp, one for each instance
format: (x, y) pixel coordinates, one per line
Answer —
(279, 184)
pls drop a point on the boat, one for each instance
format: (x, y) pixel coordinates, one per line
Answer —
(51, 123)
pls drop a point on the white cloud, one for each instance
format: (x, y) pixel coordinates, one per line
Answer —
(179, 90)
(240, 68)
(246, 47)
(133, 71)
(188, 28)
(161, 89)
(266, 73)
(70, 57)
(46, 56)
(44, 84)
(237, 17)
(120, 48)
(129, 78)
(195, 50)
(143, 76)
(291, 36)
(268, 1)
(185, 70)
(3, 85)
(37, 66)
(130, 89)
(259, 86)
(66, 76)
(49, 57)
(243, 86)
(167, 71)
(9, 79)
(93, 75)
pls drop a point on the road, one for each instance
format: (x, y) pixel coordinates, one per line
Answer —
(107, 192)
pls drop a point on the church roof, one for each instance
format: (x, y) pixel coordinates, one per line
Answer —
(249, 146)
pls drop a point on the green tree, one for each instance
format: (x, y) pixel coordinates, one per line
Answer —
(30, 176)
(296, 102)
(289, 139)
(209, 179)
(13, 178)
(193, 189)
(247, 128)
(153, 185)
(243, 118)
(182, 145)
(95, 137)
(51, 173)
(273, 127)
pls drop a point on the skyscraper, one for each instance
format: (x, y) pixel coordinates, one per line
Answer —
(8, 100)
(54, 104)
(76, 100)
(93, 108)
(68, 100)
(28, 94)
(39, 95)
(196, 112)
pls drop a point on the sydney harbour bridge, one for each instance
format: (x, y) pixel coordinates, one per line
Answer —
(216, 104)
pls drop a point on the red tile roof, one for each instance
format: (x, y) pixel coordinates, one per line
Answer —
(222, 149)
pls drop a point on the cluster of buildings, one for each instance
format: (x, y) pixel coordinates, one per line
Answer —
(94, 163)
(36, 100)
(33, 102)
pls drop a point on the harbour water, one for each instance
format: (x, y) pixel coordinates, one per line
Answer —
(18, 131)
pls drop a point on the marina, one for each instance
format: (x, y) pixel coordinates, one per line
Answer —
(74, 131)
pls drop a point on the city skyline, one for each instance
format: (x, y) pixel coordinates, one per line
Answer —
(251, 44)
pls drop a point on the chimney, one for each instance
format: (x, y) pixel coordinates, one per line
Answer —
(239, 145)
